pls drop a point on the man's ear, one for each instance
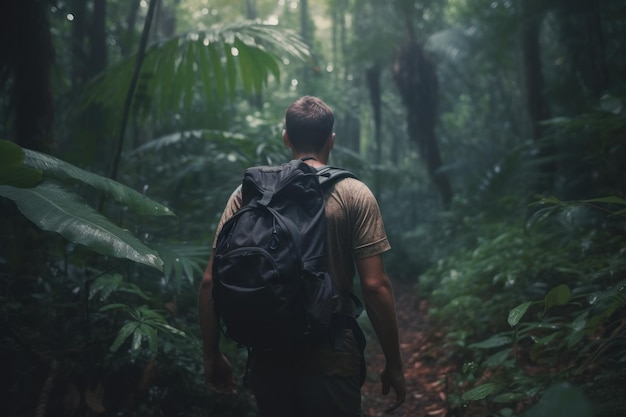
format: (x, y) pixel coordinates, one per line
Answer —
(331, 141)
(286, 140)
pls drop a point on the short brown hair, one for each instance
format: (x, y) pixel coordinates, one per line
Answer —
(308, 123)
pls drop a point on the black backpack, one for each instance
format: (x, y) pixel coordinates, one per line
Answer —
(271, 287)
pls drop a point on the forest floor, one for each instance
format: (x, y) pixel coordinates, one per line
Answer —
(425, 372)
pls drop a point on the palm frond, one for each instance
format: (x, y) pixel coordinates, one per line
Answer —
(207, 66)
(183, 261)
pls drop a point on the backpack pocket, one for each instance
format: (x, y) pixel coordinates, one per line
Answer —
(249, 267)
(322, 299)
(261, 309)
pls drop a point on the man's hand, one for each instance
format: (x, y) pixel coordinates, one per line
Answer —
(394, 379)
(218, 374)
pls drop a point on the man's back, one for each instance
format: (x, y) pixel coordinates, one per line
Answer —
(320, 381)
(354, 227)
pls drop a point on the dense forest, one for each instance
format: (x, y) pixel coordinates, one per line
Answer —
(493, 133)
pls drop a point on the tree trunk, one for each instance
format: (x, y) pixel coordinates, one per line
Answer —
(26, 57)
(536, 103)
(250, 9)
(372, 76)
(127, 45)
(598, 69)
(98, 58)
(581, 32)
(79, 25)
(305, 30)
(30, 57)
(416, 80)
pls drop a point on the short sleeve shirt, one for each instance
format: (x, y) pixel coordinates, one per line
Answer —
(355, 230)
(354, 223)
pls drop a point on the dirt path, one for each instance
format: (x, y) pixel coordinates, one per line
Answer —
(425, 376)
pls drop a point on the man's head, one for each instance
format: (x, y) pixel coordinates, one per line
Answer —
(309, 126)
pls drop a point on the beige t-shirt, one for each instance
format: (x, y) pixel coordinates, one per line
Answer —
(354, 224)
(355, 230)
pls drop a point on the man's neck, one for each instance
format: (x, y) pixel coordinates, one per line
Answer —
(312, 160)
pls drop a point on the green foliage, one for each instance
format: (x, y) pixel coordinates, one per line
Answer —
(531, 298)
(117, 320)
(527, 302)
(558, 284)
(12, 169)
(61, 170)
(144, 325)
(53, 207)
(183, 260)
(208, 66)
(562, 400)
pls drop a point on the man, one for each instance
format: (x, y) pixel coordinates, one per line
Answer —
(321, 381)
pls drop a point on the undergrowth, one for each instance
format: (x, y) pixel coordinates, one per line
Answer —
(535, 312)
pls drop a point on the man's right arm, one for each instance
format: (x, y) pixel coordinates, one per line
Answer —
(380, 305)
(217, 370)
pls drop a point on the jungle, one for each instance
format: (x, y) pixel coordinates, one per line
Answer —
(492, 132)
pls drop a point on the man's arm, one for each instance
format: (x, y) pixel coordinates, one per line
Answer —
(218, 372)
(381, 310)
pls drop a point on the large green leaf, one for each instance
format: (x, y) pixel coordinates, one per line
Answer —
(56, 167)
(12, 169)
(53, 208)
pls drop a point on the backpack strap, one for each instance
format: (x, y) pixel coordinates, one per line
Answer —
(329, 175)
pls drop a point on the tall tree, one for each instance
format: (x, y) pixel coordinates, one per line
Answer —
(78, 36)
(416, 80)
(372, 77)
(415, 77)
(126, 46)
(305, 27)
(97, 33)
(250, 9)
(532, 13)
(580, 26)
(350, 129)
(26, 58)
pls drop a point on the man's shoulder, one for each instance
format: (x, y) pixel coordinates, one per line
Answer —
(352, 185)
